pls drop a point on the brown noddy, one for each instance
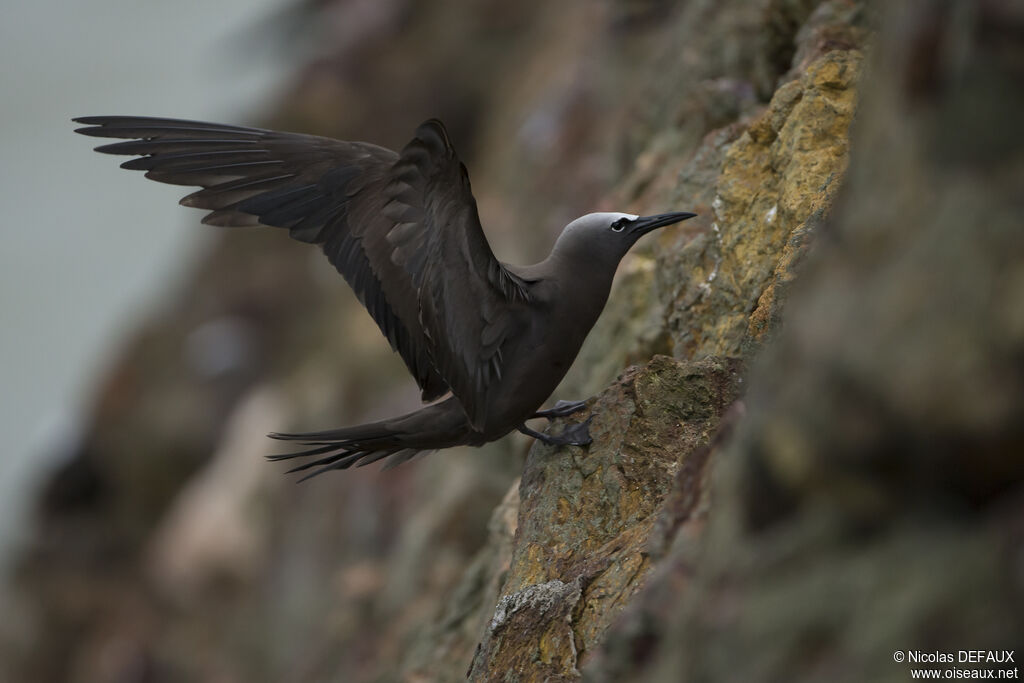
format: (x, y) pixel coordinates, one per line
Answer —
(403, 230)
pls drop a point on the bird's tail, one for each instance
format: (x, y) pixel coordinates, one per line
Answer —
(399, 439)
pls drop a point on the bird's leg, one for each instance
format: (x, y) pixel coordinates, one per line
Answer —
(573, 435)
(561, 409)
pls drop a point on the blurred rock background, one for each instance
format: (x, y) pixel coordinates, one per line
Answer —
(865, 286)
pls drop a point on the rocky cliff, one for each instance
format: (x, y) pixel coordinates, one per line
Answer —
(807, 403)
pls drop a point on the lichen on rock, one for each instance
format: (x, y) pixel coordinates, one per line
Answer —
(585, 516)
(778, 176)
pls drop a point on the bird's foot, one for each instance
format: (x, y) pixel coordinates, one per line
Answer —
(577, 434)
(573, 435)
(561, 409)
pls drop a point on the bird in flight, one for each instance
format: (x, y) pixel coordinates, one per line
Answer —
(487, 342)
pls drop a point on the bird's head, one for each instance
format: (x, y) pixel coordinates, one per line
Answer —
(607, 236)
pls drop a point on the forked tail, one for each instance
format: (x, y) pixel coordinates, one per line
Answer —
(400, 439)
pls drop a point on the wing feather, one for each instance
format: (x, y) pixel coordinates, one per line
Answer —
(402, 229)
(470, 305)
(323, 191)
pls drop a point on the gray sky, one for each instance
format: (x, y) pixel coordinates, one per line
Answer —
(75, 267)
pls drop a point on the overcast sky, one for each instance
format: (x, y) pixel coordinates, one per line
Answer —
(87, 247)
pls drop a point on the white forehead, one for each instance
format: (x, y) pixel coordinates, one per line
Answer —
(594, 221)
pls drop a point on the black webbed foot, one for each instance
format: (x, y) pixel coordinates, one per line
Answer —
(577, 434)
(561, 409)
(573, 435)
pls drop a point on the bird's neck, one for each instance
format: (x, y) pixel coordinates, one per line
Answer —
(584, 260)
(583, 280)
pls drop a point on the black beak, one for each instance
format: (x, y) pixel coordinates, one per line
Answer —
(644, 224)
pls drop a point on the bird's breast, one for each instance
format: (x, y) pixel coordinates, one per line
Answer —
(535, 362)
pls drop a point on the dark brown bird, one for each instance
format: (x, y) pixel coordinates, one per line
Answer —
(403, 230)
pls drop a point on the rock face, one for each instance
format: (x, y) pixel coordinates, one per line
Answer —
(776, 180)
(869, 499)
(761, 176)
(810, 458)
(586, 515)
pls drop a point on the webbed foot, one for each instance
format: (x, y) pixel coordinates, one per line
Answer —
(573, 435)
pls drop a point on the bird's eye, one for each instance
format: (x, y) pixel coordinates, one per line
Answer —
(619, 225)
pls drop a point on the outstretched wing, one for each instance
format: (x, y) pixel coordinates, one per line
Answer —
(402, 229)
(469, 303)
(323, 191)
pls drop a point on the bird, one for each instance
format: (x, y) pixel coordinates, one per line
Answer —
(487, 342)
